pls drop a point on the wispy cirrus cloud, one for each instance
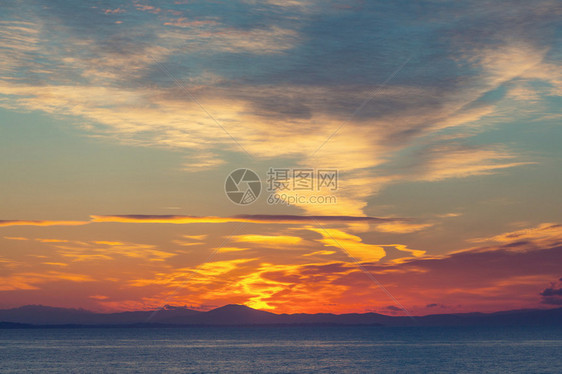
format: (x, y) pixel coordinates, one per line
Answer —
(110, 250)
(402, 227)
(543, 235)
(267, 40)
(15, 238)
(31, 280)
(456, 161)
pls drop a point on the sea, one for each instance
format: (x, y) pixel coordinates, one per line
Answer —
(291, 349)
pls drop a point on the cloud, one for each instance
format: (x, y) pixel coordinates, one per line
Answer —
(457, 161)
(186, 23)
(324, 219)
(402, 227)
(508, 274)
(191, 240)
(195, 237)
(350, 244)
(202, 161)
(256, 218)
(449, 215)
(541, 235)
(272, 240)
(404, 248)
(6, 223)
(486, 278)
(393, 308)
(199, 278)
(55, 263)
(553, 294)
(110, 250)
(114, 11)
(30, 280)
(435, 306)
(266, 81)
(320, 253)
(231, 249)
(354, 223)
(179, 219)
(510, 61)
(148, 8)
(52, 240)
(267, 40)
(294, 88)
(273, 285)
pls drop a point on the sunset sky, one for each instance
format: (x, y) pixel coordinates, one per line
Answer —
(120, 122)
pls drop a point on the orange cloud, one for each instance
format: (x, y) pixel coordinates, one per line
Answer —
(202, 276)
(350, 244)
(485, 278)
(55, 263)
(109, 250)
(292, 288)
(402, 227)
(162, 219)
(268, 239)
(231, 249)
(192, 240)
(255, 218)
(320, 253)
(195, 237)
(29, 281)
(52, 240)
(111, 244)
(5, 223)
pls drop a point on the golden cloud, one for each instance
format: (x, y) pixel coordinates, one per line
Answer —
(6, 223)
(268, 239)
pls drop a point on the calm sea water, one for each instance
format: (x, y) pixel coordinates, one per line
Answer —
(283, 350)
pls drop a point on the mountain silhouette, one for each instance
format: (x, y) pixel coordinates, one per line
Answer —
(236, 315)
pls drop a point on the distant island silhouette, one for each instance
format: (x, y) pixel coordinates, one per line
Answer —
(31, 316)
